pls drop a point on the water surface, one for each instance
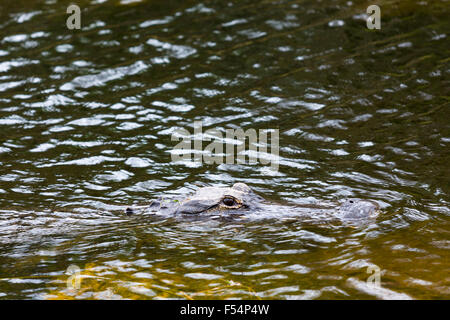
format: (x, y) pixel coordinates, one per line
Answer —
(86, 118)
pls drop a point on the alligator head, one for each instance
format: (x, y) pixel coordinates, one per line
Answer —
(212, 199)
(241, 197)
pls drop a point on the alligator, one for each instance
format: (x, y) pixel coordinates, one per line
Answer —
(241, 199)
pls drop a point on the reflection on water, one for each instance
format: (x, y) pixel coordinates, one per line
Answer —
(86, 118)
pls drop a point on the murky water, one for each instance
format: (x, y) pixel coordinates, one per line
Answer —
(86, 118)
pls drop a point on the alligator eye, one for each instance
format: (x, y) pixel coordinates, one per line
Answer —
(229, 202)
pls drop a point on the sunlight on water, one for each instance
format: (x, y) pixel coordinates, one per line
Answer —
(87, 116)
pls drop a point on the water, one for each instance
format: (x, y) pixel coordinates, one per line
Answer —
(86, 118)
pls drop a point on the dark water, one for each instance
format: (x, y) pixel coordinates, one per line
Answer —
(86, 118)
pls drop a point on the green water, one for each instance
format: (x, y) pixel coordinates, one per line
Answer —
(86, 118)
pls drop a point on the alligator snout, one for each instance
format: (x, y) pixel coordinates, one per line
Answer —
(194, 206)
